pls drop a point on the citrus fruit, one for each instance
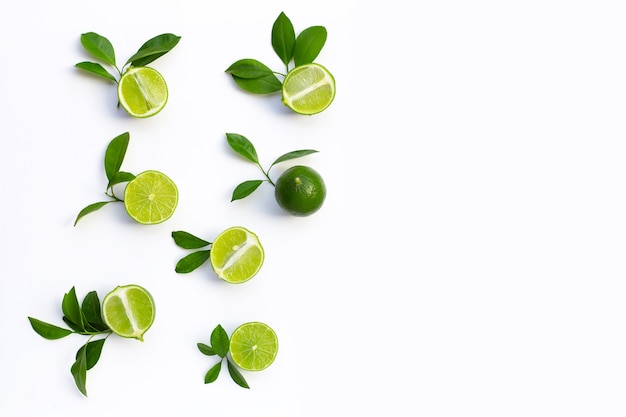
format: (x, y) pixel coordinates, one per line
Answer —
(308, 89)
(300, 190)
(129, 311)
(253, 346)
(151, 197)
(236, 255)
(142, 91)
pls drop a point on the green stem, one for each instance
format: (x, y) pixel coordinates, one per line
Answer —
(92, 334)
(266, 174)
(112, 195)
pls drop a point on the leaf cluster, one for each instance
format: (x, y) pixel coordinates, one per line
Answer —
(102, 49)
(113, 158)
(195, 259)
(220, 345)
(256, 77)
(81, 318)
(242, 146)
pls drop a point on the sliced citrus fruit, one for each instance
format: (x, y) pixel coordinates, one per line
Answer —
(151, 197)
(236, 255)
(129, 311)
(308, 89)
(253, 346)
(142, 91)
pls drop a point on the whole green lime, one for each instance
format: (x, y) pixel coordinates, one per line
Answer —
(300, 190)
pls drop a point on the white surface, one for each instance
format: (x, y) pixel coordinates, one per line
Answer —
(469, 260)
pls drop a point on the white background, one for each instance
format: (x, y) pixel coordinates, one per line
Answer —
(468, 261)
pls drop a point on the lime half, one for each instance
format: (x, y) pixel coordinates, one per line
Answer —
(308, 89)
(253, 346)
(151, 197)
(129, 311)
(142, 91)
(236, 255)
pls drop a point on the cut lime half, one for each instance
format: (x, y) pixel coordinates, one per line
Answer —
(236, 255)
(129, 311)
(253, 346)
(142, 91)
(151, 197)
(308, 89)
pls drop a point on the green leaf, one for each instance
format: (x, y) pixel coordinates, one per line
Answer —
(71, 310)
(114, 155)
(188, 241)
(90, 209)
(48, 331)
(96, 69)
(266, 84)
(219, 341)
(98, 46)
(93, 350)
(242, 146)
(249, 68)
(92, 313)
(245, 189)
(120, 177)
(79, 371)
(192, 261)
(78, 328)
(213, 373)
(236, 375)
(283, 38)
(206, 349)
(293, 155)
(153, 49)
(309, 44)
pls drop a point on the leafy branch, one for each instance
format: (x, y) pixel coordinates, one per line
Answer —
(83, 319)
(220, 345)
(102, 49)
(113, 158)
(242, 146)
(256, 77)
(194, 260)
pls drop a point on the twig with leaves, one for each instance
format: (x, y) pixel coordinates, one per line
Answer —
(220, 345)
(113, 158)
(84, 319)
(102, 49)
(256, 77)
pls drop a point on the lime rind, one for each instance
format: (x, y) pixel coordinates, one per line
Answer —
(300, 191)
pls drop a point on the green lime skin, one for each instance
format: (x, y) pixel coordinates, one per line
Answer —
(300, 191)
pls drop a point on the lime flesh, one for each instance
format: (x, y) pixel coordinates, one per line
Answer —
(142, 92)
(236, 255)
(129, 311)
(308, 89)
(253, 346)
(151, 197)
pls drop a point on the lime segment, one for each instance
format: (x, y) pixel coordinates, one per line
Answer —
(253, 346)
(236, 255)
(142, 91)
(129, 311)
(308, 89)
(151, 197)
